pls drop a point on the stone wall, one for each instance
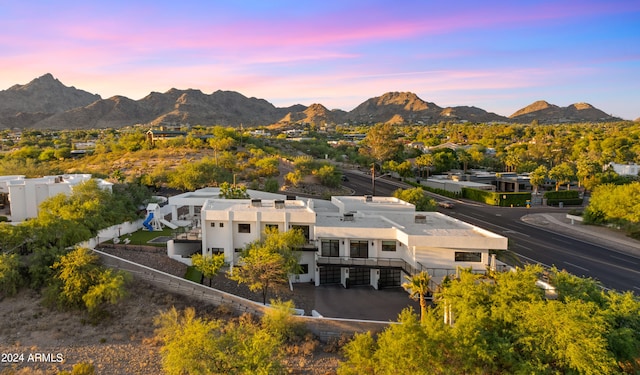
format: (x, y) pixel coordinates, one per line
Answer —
(325, 328)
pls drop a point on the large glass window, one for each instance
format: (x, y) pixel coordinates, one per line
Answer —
(330, 248)
(463, 256)
(388, 245)
(244, 228)
(359, 249)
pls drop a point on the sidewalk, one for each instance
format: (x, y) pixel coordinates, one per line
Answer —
(558, 223)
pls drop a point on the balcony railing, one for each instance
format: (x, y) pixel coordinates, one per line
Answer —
(406, 267)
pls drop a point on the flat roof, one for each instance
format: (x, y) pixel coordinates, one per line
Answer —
(236, 205)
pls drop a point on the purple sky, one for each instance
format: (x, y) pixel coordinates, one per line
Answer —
(496, 55)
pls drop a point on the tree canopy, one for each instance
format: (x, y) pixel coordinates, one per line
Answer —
(504, 324)
(269, 261)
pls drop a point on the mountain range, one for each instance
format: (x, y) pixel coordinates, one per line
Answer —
(46, 103)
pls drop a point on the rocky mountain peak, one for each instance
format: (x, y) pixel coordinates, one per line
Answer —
(44, 94)
(582, 106)
(408, 100)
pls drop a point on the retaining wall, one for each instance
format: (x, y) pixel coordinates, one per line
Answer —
(325, 328)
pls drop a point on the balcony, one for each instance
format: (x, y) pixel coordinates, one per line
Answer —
(366, 262)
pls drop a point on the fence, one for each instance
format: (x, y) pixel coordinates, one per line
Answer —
(325, 328)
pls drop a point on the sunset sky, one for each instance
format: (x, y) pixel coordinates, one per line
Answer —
(496, 55)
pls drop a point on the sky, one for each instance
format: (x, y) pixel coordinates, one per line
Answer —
(496, 55)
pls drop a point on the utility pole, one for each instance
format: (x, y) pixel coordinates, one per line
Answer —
(373, 178)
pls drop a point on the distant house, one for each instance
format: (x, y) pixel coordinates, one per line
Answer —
(625, 169)
(26, 194)
(163, 135)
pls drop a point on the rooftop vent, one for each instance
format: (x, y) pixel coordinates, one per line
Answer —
(421, 219)
(256, 203)
(348, 216)
(279, 203)
(291, 197)
(368, 198)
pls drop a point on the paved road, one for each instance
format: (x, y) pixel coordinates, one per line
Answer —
(616, 269)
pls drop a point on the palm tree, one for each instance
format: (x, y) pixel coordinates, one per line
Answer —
(418, 287)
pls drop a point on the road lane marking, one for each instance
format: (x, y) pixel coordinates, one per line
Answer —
(622, 259)
(509, 231)
(563, 241)
(576, 266)
(524, 247)
(635, 287)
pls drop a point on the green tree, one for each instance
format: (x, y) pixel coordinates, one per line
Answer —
(10, 278)
(194, 345)
(615, 203)
(538, 177)
(269, 262)
(425, 162)
(562, 174)
(81, 282)
(228, 191)
(221, 141)
(328, 175)
(209, 265)
(419, 288)
(586, 171)
(464, 158)
(380, 143)
(444, 160)
(417, 197)
(504, 324)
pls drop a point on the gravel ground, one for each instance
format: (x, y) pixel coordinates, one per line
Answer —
(124, 343)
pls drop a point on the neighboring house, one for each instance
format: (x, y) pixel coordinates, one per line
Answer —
(350, 240)
(26, 194)
(625, 169)
(154, 135)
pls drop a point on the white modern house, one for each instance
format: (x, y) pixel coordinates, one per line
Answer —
(351, 240)
(25, 194)
(625, 169)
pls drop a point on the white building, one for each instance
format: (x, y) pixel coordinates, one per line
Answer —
(625, 169)
(26, 194)
(350, 240)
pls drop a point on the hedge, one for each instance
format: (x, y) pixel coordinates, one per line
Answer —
(562, 194)
(565, 202)
(493, 198)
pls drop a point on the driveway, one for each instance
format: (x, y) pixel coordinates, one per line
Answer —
(362, 302)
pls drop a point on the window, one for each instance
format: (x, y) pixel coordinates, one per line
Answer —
(304, 229)
(213, 225)
(330, 248)
(244, 228)
(217, 250)
(359, 249)
(238, 249)
(468, 257)
(388, 245)
(304, 269)
(221, 225)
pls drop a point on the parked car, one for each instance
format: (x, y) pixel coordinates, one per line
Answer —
(446, 204)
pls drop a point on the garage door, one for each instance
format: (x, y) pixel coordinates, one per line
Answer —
(389, 278)
(359, 276)
(329, 275)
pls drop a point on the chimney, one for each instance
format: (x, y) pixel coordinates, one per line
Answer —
(279, 203)
(421, 219)
(256, 203)
(368, 198)
(348, 216)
